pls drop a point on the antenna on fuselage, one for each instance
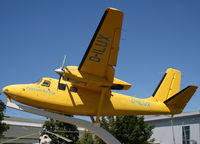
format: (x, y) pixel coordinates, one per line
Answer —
(60, 71)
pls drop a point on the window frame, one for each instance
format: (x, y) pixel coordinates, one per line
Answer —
(186, 134)
(47, 84)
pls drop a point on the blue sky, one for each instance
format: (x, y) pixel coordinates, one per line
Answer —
(156, 35)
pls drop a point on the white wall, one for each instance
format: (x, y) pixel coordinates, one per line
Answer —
(163, 130)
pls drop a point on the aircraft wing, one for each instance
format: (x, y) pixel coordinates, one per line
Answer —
(102, 52)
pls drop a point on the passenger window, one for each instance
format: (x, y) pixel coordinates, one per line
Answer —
(61, 86)
(46, 83)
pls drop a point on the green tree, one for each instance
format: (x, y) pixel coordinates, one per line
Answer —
(86, 139)
(66, 130)
(3, 126)
(127, 129)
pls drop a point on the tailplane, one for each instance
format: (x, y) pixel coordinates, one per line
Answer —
(177, 102)
(168, 91)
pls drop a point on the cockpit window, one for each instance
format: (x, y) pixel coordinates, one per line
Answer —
(38, 81)
(46, 83)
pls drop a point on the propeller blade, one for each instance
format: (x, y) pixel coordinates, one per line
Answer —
(60, 71)
(63, 63)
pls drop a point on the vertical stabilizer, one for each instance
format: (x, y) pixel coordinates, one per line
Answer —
(168, 86)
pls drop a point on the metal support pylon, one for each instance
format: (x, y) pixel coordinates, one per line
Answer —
(100, 132)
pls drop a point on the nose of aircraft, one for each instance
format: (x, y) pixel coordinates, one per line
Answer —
(11, 90)
(5, 89)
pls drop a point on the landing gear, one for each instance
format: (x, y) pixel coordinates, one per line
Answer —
(99, 109)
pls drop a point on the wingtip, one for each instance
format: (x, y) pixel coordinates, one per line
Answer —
(194, 86)
(110, 8)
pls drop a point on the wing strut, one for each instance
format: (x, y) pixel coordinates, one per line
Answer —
(92, 119)
(103, 93)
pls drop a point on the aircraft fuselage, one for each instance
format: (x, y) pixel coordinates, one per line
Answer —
(81, 102)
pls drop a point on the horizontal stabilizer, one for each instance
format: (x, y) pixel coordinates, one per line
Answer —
(179, 100)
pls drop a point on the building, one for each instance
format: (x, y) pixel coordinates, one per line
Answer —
(181, 129)
(23, 131)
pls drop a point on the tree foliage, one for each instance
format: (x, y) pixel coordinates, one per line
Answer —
(3, 126)
(127, 129)
(66, 130)
(86, 139)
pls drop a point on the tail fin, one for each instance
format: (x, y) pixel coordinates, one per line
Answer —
(168, 86)
(177, 102)
(168, 91)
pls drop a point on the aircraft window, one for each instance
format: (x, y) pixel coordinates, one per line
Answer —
(46, 83)
(38, 81)
(61, 86)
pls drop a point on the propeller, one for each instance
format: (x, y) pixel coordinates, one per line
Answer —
(60, 71)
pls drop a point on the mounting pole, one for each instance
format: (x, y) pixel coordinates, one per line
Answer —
(100, 132)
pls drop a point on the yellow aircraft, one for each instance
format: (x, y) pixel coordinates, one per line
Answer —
(87, 89)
